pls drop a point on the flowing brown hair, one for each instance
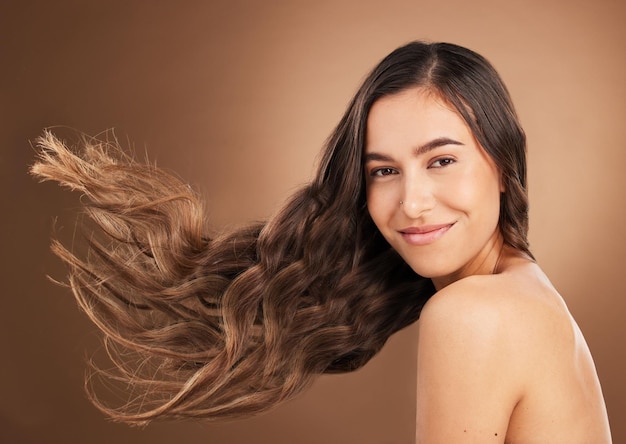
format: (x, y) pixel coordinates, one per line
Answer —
(232, 325)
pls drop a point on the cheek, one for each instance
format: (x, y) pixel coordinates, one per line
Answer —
(479, 188)
(378, 206)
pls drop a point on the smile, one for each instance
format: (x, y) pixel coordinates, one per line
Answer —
(424, 235)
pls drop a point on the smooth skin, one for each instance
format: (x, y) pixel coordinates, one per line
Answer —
(500, 358)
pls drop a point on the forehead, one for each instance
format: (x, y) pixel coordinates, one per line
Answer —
(413, 116)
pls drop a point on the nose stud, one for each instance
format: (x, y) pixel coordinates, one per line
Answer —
(401, 202)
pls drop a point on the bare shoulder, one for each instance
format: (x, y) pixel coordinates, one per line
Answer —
(479, 344)
(519, 305)
(514, 326)
(501, 356)
(473, 363)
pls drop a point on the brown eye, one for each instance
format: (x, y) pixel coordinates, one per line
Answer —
(383, 172)
(443, 162)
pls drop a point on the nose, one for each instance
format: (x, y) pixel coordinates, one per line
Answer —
(418, 197)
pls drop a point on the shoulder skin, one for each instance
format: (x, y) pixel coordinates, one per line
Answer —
(489, 346)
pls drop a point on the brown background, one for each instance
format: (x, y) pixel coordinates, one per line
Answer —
(238, 97)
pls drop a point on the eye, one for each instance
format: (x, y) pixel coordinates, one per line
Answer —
(442, 162)
(386, 171)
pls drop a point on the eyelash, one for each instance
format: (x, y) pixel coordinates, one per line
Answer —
(447, 160)
(388, 171)
(381, 172)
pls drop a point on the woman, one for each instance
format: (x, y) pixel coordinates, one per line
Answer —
(419, 206)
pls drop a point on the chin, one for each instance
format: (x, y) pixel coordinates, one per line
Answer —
(431, 271)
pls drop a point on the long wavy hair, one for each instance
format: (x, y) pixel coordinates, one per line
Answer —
(232, 325)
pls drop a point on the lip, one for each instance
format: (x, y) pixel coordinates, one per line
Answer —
(425, 234)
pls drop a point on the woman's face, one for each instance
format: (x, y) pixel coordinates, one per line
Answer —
(432, 190)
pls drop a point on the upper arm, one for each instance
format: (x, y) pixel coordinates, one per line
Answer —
(468, 377)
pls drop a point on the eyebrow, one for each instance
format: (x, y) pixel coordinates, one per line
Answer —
(422, 149)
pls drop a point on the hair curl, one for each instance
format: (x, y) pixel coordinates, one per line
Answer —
(232, 325)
